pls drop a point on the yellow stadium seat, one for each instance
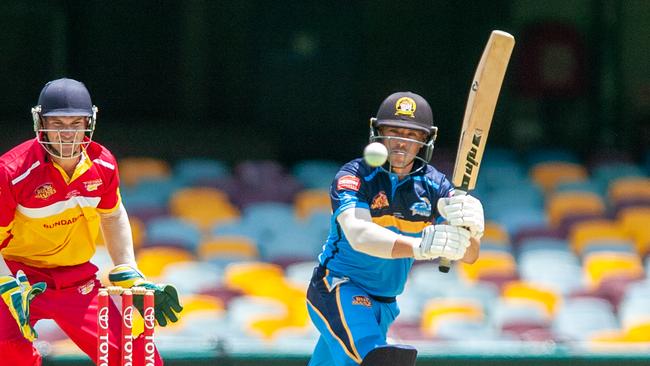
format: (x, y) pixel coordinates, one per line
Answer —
(598, 266)
(489, 263)
(562, 204)
(267, 280)
(436, 310)
(548, 174)
(594, 232)
(228, 247)
(308, 201)
(629, 187)
(153, 260)
(203, 206)
(635, 221)
(136, 169)
(495, 233)
(518, 290)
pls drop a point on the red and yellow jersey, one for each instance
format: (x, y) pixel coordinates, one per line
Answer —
(48, 219)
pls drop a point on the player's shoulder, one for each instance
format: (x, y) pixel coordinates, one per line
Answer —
(433, 176)
(99, 154)
(22, 157)
(357, 167)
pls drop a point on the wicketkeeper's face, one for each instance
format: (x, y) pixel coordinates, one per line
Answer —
(403, 145)
(65, 133)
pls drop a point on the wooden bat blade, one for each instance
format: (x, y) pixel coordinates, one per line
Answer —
(482, 100)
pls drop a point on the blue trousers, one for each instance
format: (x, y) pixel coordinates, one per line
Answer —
(350, 321)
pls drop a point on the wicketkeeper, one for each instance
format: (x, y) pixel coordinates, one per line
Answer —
(56, 192)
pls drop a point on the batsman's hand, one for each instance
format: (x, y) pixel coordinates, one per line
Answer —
(465, 211)
(17, 293)
(166, 301)
(442, 241)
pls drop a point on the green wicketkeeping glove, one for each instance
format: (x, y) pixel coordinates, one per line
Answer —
(17, 293)
(166, 301)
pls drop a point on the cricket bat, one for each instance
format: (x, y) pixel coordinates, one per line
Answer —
(482, 100)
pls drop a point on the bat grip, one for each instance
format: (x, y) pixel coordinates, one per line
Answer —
(445, 263)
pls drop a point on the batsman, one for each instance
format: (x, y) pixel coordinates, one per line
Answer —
(58, 191)
(384, 218)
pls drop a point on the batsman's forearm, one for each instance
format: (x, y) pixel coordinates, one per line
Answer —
(118, 238)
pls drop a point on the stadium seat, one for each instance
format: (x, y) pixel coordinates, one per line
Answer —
(579, 186)
(549, 174)
(601, 265)
(495, 233)
(174, 232)
(634, 222)
(559, 205)
(516, 219)
(153, 260)
(489, 263)
(521, 291)
(516, 318)
(135, 169)
(526, 196)
(203, 206)
(596, 232)
(228, 248)
(192, 277)
(578, 319)
(629, 187)
(315, 174)
(309, 201)
(435, 310)
(550, 155)
(195, 171)
(262, 181)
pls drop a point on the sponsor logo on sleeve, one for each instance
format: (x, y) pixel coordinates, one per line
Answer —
(348, 182)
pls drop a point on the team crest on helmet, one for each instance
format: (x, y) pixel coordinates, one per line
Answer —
(422, 208)
(405, 106)
(44, 191)
(380, 201)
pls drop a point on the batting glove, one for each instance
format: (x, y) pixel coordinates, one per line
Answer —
(442, 241)
(17, 293)
(166, 301)
(465, 211)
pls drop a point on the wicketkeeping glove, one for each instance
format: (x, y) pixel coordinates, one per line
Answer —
(465, 211)
(166, 301)
(442, 241)
(17, 293)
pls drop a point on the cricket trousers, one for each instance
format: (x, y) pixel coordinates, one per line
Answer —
(71, 301)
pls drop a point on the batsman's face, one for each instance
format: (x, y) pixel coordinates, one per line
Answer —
(403, 145)
(65, 133)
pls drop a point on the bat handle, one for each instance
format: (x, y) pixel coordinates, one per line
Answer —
(444, 264)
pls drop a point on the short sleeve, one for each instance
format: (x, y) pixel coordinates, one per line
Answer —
(348, 189)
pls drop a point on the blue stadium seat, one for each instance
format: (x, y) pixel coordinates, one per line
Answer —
(172, 231)
(192, 277)
(543, 155)
(315, 174)
(197, 171)
(580, 318)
